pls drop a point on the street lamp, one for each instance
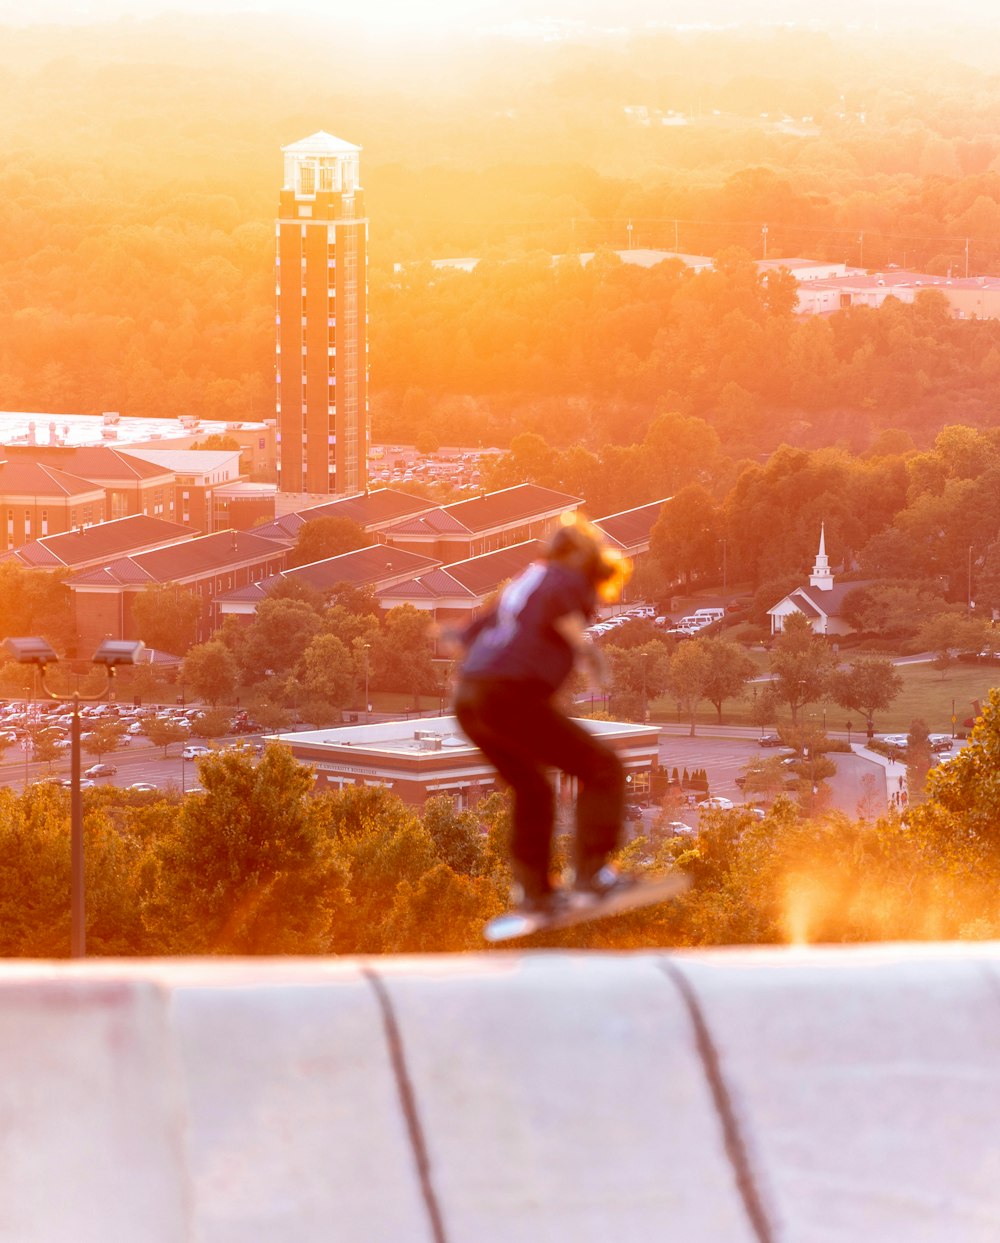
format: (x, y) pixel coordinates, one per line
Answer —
(366, 647)
(41, 654)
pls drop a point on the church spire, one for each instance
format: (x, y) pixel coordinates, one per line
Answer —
(821, 578)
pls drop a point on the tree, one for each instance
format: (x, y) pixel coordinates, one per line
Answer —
(212, 724)
(684, 538)
(104, 737)
(801, 664)
(688, 672)
(868, 686)
(44, 749)
(36, 602)
(919, 759)
(210, 671)
(728, 669)
(162, 731)
(963, 796)
(166, 617)
(326, 537)
(280, 634)
(247, 868)
(403, 657)
(324, 679)
(948, 634)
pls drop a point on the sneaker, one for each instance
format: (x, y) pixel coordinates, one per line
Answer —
(604, 882)
(547, 904)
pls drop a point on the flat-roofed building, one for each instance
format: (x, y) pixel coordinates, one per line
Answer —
(197, 474)
(421, 758)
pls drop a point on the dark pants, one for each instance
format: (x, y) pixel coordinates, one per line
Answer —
(523, 735)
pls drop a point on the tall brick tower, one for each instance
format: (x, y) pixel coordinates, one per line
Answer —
(322, 321)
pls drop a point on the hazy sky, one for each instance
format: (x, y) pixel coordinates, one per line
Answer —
(465, 15)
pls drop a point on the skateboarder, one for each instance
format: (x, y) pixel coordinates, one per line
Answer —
(518, 654)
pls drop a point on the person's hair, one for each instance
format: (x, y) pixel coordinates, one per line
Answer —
(575, 545)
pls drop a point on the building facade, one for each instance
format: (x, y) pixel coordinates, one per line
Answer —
(321, 290)
(419, 759)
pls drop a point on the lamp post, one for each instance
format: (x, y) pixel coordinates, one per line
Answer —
(41, 654)
(366, 647)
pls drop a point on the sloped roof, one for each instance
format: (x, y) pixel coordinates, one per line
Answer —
(812, 601)
(102, 541)
(484, 574)
(434, 585)
(205, 554)
(96, 462)
(517, 504)
(521, 503)
(472, 579)
(369, 510)
(630, 529)
(363, 567)
(25, 478)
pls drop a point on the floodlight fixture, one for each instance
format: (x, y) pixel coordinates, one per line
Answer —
(32, 651)
(114, 652)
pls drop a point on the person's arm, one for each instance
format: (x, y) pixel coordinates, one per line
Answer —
(572, 627)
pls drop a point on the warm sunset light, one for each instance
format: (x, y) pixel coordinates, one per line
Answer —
(314, 321)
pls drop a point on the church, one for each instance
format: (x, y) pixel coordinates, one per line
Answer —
(820, 601)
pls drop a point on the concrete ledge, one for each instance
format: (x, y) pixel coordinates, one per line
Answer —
(818, 1096)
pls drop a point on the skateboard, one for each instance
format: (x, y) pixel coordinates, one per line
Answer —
(582, 908)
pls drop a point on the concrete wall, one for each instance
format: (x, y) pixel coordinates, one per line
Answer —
(824, 1096)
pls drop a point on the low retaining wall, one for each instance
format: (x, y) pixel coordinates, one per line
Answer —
(814, 1096)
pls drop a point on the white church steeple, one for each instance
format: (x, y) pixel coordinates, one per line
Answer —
(821, 578)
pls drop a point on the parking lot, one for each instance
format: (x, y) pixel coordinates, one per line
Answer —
(858, 782)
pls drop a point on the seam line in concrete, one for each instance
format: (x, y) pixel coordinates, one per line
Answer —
(408, 1101)
(736, 1145)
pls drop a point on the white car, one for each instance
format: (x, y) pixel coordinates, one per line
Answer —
(716, 803)
(193, 752)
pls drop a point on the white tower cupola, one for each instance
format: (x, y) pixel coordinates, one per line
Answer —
(821, 578)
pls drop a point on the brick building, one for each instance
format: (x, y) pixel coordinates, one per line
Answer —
(38, 500)
(207, 565)
(483, 524)
(421, 758)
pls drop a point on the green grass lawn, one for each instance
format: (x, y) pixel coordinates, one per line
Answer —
(926, 695)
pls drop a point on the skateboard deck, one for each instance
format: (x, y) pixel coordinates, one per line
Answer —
(514, 924)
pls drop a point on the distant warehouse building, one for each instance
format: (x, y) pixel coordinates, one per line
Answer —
(421, 758)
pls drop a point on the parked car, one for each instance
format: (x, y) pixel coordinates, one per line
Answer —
(769, 740)
(101, 770)
(716, 803)
(192, 752)
(145, 787)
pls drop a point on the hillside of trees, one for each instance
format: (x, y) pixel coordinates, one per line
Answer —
(140, 177)
(257, 864)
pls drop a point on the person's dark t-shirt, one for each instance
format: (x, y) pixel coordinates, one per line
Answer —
(518, 640)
